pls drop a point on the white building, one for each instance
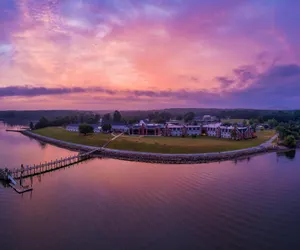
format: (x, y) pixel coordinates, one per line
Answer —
(75, 128)
(217, 130)
(193, 130)
(226, 132)
(174, 130)
(212, 129)
(180, 130)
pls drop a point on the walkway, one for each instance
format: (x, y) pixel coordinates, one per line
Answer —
(41, 168)
(114, 138)
(269, 142)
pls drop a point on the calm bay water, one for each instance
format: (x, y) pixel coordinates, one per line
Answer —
(111, 204)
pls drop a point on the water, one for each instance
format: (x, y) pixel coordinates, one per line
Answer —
(111, 204)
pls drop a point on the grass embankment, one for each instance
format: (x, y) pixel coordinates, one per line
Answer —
(161, 144)
(96, 140)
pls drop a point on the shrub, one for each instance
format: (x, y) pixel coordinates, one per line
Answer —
(290, 141)
(106, 127)
(85, 129)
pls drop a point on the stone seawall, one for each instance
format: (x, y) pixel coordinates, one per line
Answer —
(158, 157)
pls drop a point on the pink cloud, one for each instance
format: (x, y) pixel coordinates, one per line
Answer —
(141, 46)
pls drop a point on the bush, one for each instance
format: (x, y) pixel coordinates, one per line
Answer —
(290, 141)
(194, 136)
(106, 127)
(85, 129)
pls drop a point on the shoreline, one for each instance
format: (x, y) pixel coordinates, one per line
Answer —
(266, 147)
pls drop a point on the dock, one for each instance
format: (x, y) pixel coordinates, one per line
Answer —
(28, 171)
(14, 130)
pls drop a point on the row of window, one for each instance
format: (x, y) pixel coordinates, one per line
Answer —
(222, 130)
(188, 129)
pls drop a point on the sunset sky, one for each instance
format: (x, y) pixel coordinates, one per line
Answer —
(144, 54)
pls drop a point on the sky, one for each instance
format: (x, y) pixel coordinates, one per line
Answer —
(149, 54)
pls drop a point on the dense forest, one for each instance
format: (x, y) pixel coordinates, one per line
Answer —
(165, 114)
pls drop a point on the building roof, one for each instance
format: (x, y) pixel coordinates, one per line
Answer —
(148, 125)
(213, 125)
(219, 125)
(175, 126)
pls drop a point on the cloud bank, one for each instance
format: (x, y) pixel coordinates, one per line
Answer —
(149, 54)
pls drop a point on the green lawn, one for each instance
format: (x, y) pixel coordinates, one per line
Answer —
(97, 140)
(175, 145)
(160, 144)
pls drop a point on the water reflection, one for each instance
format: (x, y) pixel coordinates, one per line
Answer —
(288, 154)
(250, 203)
(43, 145)
(4, 184)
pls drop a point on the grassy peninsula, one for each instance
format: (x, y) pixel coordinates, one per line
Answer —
(162, 144)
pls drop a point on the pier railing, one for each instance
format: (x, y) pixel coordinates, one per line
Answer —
(31, 170)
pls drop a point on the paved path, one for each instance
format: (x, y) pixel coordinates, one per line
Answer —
(115, 137)
(268, 143)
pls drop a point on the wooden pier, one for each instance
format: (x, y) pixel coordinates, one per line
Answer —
(32, 170)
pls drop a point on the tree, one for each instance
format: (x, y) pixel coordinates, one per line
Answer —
(97, 118)
(85, 129)
(233, 134)
(117, 116)
(42, 123)
(272, 123)
(297, 114)
(106, 127)
(290, 141)
(179, 117)
(189, 116)
(106, 117)
(260, 119)
(31, 125)
(245, 123)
